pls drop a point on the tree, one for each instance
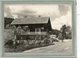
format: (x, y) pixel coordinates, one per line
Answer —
(68, 32)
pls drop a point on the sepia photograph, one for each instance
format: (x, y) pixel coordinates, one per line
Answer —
(38, 28)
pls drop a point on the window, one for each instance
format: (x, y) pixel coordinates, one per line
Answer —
(37, 29)
(26, 28)
(42, 28)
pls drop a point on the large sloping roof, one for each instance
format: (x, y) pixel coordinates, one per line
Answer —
(31, 20)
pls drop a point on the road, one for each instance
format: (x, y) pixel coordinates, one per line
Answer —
(59, 47)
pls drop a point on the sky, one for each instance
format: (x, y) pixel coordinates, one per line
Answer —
(59, 14)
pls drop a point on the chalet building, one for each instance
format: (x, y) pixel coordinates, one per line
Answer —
(34, 25)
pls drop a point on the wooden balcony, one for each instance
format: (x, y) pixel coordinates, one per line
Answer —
(34, 33)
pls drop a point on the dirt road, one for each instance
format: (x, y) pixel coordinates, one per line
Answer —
(59, 47)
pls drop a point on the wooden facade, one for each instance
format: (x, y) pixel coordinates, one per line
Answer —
(34, 27)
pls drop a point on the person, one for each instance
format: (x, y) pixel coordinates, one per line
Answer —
(63, 31)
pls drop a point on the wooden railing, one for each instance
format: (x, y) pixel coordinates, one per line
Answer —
(34, 33)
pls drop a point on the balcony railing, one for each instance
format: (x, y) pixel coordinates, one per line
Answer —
(34, 33)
